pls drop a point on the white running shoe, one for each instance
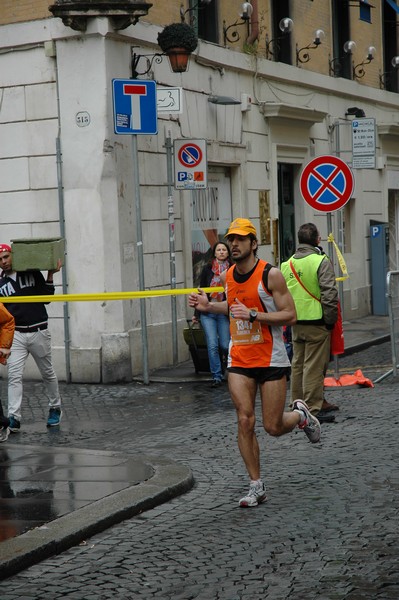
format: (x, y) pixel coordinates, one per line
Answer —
(255, 496)
(311, 425)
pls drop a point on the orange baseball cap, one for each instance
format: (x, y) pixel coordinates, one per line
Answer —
(241, 227)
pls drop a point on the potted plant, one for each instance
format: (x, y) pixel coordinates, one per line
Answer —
(177, 41)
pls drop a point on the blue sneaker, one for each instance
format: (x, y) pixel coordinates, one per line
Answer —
(14, 425)
(54, 417)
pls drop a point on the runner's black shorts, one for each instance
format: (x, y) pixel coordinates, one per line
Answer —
(262, 374)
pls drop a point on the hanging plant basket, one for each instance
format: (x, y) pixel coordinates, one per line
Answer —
(177, 35)
(178, 59)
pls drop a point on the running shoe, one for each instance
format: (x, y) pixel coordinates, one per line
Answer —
(14, 425)
(54, 417)
(255, 496)
(310, 425)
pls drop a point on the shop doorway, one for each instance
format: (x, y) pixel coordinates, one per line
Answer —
(286, 210)
(211, 216)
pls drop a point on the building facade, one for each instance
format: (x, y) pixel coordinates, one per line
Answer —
(64, 171)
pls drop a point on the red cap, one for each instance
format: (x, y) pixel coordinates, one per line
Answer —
(5, 248)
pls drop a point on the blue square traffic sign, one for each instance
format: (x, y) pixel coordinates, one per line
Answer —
(135, 106)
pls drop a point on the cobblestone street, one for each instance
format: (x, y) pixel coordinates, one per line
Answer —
(328, 530)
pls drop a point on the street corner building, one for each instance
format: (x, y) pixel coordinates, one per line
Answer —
(214, 118)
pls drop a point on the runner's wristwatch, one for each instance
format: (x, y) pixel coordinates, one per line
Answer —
(253, 313)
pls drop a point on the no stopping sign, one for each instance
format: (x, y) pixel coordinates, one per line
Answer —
(327, 183)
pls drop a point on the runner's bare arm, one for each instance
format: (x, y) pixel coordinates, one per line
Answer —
(286, 313)
(199, 301)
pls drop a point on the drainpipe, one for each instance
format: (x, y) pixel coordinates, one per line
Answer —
(253, 36)
(61, 207)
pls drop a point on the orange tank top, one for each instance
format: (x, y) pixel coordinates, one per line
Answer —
(254, 344)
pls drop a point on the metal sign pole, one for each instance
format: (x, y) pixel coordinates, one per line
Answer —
(172, 253)
(340, 239)
(135, 112)
(139, 242)
(330, 254)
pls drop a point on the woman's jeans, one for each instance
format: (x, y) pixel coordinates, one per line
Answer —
(217, 333)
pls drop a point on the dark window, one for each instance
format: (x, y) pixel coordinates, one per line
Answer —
(389, 79)
(365, 11)
(204, 19)
(281, 47)
(341, 64)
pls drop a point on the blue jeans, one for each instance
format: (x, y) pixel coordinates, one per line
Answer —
(217, 333)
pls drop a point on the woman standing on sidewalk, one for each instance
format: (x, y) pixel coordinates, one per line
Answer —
(216, 326)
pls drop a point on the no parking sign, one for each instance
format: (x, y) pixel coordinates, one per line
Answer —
(190, 164)
(327, 183)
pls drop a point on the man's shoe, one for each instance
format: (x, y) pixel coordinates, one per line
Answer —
(14, 425)
(54, 417)
(325, 417)
(255, 496)
(4, 432)
(310, 425)
(328, 407)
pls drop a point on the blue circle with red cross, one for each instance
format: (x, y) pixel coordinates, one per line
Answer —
(326, 183)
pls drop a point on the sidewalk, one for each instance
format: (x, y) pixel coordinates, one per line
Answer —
(54, 496)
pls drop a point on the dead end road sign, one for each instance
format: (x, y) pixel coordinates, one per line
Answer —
(327, 183)
(135, 106)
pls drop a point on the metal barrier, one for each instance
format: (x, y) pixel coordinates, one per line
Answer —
(392, 294)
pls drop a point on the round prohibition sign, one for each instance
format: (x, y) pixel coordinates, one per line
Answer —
(190, 155)
(327, 183)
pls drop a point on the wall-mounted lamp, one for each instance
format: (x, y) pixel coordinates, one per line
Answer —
(355, 111)
(302, 54)
(358, 70)
(385, 78)
(245, 16)
(224, 100)
(200, 4)
(335, 64)
(286, 25)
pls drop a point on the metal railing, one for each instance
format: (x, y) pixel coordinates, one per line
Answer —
(392, 294)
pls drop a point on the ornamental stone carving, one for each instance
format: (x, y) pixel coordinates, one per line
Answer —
(121, 13)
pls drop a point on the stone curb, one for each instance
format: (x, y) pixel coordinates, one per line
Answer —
(364, 345)
(170, 480)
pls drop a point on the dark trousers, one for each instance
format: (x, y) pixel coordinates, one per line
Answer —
(4, 421)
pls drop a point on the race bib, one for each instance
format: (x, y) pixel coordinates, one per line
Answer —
(244, 332)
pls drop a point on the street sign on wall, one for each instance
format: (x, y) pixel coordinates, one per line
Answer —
(170, 100)
(135, 106)
(363, 143)
(190, 164)
(326, 183)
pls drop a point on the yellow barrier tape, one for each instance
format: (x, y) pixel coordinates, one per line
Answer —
(341, 259)
(107, 296)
